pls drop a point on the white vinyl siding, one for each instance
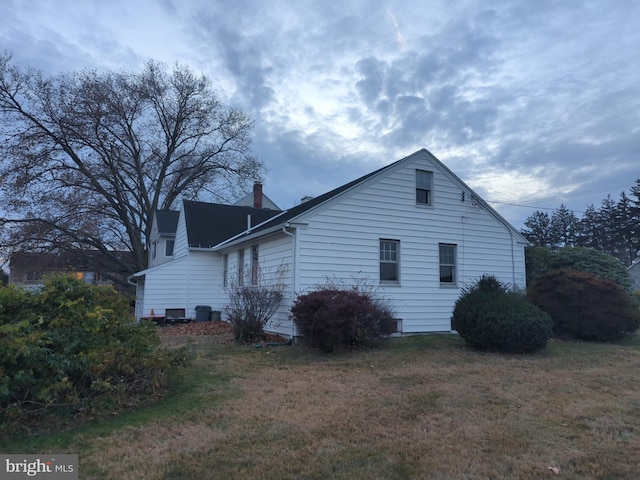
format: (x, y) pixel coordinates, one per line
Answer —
(182, 283)
(342, 238)
(181, 245)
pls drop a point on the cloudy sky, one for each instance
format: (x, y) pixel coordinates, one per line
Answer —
(531, 103)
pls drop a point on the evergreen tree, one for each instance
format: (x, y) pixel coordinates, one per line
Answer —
(588, 228)
(607, 223)
(563, 227)
(635, 219)
(624, 240)
(538, 229)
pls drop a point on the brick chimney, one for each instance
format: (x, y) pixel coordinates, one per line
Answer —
(257, 195)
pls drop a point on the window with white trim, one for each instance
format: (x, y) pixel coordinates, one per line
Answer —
(389, 261)
(254, 265)
(424, 187)
(240, 267)
(168, 247)
(447, 264)
(225, 270)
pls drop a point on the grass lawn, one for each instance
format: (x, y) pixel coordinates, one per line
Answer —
(420, 407)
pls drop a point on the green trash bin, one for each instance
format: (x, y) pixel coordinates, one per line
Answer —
(202, 313)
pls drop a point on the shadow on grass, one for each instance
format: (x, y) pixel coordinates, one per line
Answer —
(188, 389)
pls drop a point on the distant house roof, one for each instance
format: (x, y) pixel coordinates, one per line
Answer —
(208, 224)
(167, 221)
(30, 267)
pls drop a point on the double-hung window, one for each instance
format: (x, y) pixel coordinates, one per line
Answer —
(448, 264)
(225, 270)
(168, 247)
(424, 187)
(389, 261)
(240, 267)
(254, 265)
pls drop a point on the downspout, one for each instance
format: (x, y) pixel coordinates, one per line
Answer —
(294, 271)
(513, 260)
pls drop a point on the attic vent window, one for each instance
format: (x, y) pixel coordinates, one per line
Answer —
(424, 187)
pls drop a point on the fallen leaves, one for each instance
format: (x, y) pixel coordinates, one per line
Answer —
(197, 328)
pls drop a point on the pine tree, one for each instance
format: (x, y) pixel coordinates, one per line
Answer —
(538, 229)
(588, 228)
(563, 227)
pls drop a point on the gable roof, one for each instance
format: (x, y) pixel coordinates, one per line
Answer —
(167, 221)
(209, 224)
(297, 211)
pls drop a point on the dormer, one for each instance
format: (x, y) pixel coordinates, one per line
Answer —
(162, 238)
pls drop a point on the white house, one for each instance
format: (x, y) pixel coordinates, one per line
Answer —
(413, 230)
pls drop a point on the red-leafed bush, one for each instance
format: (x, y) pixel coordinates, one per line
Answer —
(334, 318)
(585, 307)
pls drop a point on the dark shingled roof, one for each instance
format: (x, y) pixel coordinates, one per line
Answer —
(167, 221)
(209, 224)
(309, 204)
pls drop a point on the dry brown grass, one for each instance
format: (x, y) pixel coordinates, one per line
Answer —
(422, 408)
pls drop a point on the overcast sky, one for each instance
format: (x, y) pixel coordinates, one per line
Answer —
(532, 102)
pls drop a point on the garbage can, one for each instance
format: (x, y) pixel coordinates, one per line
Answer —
(202, 313)
(216, 315)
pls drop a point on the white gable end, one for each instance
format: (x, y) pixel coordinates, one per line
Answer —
(342, 237)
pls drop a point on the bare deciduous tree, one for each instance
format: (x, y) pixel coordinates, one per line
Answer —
(86, 158)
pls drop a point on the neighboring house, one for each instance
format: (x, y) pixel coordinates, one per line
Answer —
(634, 272)
(257, 199)
(31, 268)
(413, 230)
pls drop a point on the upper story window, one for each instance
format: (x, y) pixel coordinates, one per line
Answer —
(424, 187)
(389, 261)
(168, 248)
(447, 264)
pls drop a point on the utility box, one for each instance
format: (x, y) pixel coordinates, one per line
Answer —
(202, 313)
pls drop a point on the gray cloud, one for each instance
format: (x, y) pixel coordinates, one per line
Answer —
(544, 91)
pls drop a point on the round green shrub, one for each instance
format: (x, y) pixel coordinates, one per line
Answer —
(585, 307)
(490, 316)
(334, 318)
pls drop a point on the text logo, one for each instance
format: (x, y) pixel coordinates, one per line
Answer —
(46, 467)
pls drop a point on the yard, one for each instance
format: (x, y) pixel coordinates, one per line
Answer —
(419, 407)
